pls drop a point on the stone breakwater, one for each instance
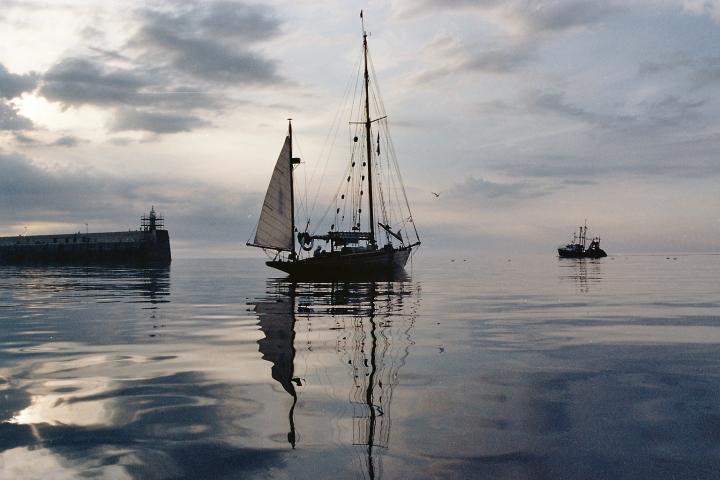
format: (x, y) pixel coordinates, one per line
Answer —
(130, 246)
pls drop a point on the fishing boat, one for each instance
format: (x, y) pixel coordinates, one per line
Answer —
(368, 227)
(579, 248)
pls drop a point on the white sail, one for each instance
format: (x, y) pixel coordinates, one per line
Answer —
(275, 228)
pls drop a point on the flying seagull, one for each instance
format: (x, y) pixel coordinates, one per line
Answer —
(436, 194)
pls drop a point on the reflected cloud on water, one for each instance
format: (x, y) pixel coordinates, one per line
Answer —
(89, 392)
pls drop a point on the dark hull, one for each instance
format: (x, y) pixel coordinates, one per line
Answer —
(599, 253)
(347, 265)
(144, 247)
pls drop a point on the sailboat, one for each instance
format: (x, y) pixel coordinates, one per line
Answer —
(378, 241)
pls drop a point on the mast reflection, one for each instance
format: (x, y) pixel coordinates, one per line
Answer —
(583, 272)
(372, 324)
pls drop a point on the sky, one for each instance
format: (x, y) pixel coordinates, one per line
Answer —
(526, 116)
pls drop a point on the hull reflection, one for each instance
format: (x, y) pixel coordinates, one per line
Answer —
(371, 323)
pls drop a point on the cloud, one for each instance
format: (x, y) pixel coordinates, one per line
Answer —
(701, 72)
(710, 8)
(447, 57)
(650, 116)
(25, 139)
(180, 57)
(12, 85)
(156, 122)
(505, 192)
(66, 141)
(86, 81)
(11, 120)
(558, 15)
(30, 193)
(212, 42)
(79, 81)
(526, 17)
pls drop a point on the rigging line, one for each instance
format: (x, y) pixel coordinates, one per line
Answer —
(395, 186)
(402, 184)
(379, 105)
(303, 204)
(334, 200)
(333, 133)
(377, 87)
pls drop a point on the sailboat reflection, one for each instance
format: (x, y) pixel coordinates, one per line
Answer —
(277, 322)
(368, 324)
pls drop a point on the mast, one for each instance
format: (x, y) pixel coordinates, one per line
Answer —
(293, 255)
(368, 141)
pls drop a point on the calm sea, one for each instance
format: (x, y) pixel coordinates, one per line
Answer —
(503, 368)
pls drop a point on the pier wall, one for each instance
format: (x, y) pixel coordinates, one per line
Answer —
(130, 246)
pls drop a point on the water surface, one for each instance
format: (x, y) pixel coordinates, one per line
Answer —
(523, 367)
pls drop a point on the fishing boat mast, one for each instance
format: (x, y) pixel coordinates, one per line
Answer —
(368, 141)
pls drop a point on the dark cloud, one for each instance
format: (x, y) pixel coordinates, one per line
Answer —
(12, 85)
(24, 139)
(156, 122)
(11, 120)
(183, 56)
(207, 59)
(239, 21)
(66, 141)
(79, 81)
(212, 42)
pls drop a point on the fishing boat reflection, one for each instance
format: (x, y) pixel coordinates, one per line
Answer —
(584, 273)
(367, 324)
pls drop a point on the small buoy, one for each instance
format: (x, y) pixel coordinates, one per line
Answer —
(355, 139)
